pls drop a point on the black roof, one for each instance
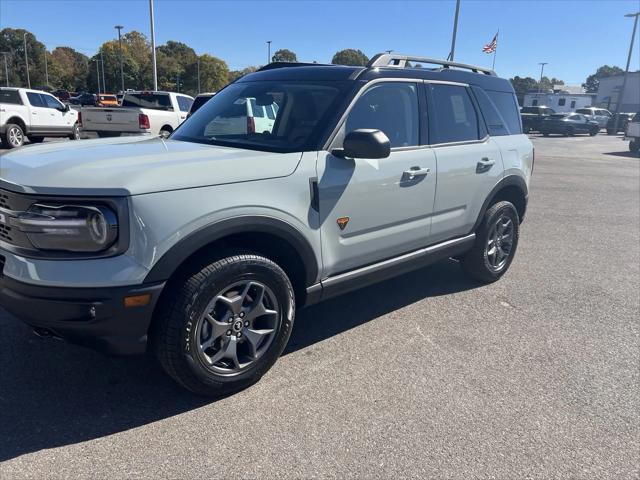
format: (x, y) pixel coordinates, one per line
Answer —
(319, 72)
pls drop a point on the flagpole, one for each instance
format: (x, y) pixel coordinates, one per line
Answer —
(493, 67)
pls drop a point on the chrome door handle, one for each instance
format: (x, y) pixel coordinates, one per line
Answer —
(484, 165)
(416, 172)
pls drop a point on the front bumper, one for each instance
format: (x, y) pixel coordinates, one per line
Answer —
(93, 317)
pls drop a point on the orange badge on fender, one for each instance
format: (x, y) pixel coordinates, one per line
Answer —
(342, 222)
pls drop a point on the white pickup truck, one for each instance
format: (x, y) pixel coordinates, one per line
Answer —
(156, 113)
(633, 133)
(36, 115)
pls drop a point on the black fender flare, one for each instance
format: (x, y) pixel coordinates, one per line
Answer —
(181, 251)
(507, 181)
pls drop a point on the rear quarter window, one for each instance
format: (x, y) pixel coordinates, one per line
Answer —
(496, 124)
(507, 105)
(11, 97)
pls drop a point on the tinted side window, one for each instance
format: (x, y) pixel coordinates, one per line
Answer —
(35, 99)
(184, 103)
(10, 97)
(391, 108)
(507, 105)
(50, 101)
(456, 119)
(584, 111)
(495, 123)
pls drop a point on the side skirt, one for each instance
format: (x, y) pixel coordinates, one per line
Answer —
(361, 277)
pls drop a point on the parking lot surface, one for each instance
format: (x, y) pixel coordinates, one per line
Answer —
(426, 375)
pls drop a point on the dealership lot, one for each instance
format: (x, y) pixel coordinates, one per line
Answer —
(425, 375)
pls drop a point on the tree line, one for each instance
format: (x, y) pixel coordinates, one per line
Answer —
(177, 66)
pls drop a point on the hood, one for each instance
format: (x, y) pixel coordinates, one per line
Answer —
(136, 165)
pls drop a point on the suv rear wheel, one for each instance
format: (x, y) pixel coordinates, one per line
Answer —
(495, 245)
(222, 328)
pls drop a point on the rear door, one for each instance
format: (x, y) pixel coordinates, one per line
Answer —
(469, 160)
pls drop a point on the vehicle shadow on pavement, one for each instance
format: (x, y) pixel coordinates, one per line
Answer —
(627, 154)
(54, 394)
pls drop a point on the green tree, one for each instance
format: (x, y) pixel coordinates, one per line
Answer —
(350, 56)
(593, 81)
(68, 69)
(140, 53)
(522, 85)
(284, 55)
(236, 74)
(214, 74)
(12, 42)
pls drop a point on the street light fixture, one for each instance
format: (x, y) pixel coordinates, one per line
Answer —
(119, 28)
(626, 71)
(153, 48)
(542, 64)
(268, 52)
(26, 59)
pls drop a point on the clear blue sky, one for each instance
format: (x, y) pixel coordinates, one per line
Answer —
(575, 37)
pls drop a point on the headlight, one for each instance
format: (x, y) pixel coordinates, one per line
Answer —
(73, 228)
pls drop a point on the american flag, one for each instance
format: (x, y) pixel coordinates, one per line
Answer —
(491, 47)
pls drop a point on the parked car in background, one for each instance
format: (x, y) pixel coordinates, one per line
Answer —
(34, 114)
(156, 113)
(246, 115)
(568, 124)
(625, 118)
(532, 117)
(62, 95)
(200, 100)
(83, 99)
(599, 115)
(106, 100)
(202, 248)
(632, 134)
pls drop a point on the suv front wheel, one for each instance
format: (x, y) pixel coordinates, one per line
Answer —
(495, 245)
(222, 328)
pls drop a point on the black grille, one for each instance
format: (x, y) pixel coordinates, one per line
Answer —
(4, 200)
(5, 233)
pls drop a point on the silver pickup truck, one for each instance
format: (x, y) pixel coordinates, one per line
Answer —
(157, 113)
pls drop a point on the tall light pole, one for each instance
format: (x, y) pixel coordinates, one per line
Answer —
(6, 69)
(104, 84)
(268, 52)
(542, 64)
(119, 28)
(46, 69)
(626, 71)
(198, 61)
(455, 31)
(26, 59)
(154, 65)
(98, 73)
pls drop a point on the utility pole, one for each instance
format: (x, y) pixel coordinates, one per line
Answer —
(26, 59)
(104, 84)
(268, 52)
(153, 48)
(119, 28)
(626, 71)
(542, 64)
(6, 69)
(455, 32)
(98, 73)
(46, 69)
(198, 61)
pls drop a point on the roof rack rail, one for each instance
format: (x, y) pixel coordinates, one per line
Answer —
(394, 60)
(274, 65)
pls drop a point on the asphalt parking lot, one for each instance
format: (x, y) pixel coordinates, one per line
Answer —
(427, 375)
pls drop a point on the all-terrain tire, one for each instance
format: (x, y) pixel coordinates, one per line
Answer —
(175, 334)
(478, 261)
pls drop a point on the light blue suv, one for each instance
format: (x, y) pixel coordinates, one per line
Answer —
(200, 248)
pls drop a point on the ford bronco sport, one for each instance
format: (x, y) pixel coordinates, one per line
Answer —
(200, 248)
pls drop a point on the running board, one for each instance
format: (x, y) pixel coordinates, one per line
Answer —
(361, 277)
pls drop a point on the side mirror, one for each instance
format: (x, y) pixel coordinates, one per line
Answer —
(364, 143)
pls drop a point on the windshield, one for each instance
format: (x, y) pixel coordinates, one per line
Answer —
(584, 111)
(272, 116)
(153, 101)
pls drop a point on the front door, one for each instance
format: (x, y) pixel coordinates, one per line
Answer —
(371, 210)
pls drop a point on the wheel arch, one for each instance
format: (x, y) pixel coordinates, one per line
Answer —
(264, 235)
(511, 188)
(167, 127)
(15, 119)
